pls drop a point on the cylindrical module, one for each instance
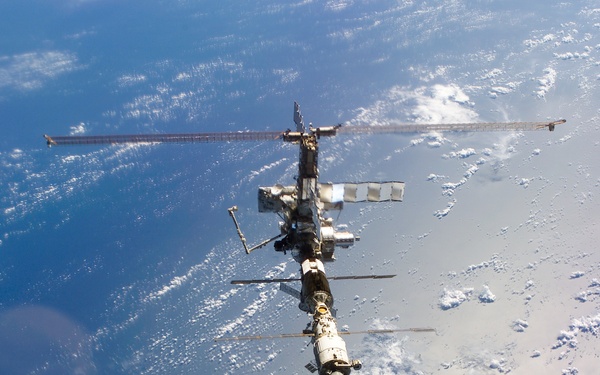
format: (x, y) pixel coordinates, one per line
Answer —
(329, 347)
(331, 351)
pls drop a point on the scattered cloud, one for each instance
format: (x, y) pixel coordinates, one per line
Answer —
(189, 91)
(386, 354)
(576, 274)
(443, 213)
(461, 154)
(520, 325)
(486, 295)
(287, 76)
(427, 104)
(337, 5)
(546, 82)
(32, 70)
(434, 140)
(435, 177)
(78, 129)
(128, 80)
(532, 43)
(586, 324)
(454, 298)
(505, 147)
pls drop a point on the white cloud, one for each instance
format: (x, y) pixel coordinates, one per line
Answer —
(78, 129)
(287, 76)
(495, 91)
(449, 188)
(386, 354)
(30, 71)
(39, 185)
(434, 140)
(492, 74)
(546, 82)
(128, 80)
(337, 5)
(505, 147)
(532, 43)
(486, 295)
(435, 177)
(576, 274)
(520, 325)
(524, 182)
(461, 154)
(263, 169)
(571, 55)
(187, 92)
(442, 104)
(454, 298)
(443, 213)
(434, 104)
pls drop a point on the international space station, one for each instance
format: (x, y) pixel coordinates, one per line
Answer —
(306, 231)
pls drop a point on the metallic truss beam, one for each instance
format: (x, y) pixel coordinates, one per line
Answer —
(162, 138)
(466, 127)
(270, 136)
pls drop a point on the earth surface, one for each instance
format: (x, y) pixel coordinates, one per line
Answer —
(118, 259)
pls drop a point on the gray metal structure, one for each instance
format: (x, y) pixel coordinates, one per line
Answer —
(305, 230)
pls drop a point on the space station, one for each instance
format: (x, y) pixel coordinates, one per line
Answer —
(306, 230)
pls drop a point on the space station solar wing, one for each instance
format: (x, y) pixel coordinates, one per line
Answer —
(310, 334)
(350, 192)
(374, 192)
(382, 331)
(458, 127)
(361, 277)
(332, 193)
(312, 367)
(262, 281)
(162, 138)
(268, 281)
(291, 291)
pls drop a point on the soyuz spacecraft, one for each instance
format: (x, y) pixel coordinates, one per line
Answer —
(306, 230)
